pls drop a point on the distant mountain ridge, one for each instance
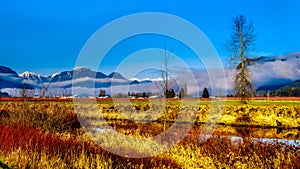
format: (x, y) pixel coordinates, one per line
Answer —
(10, 79)
(264, 59)
(294, 84)
(33, 77)
(81, 72)
(7, 70)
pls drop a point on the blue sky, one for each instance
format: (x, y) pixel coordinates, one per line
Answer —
(46, 36)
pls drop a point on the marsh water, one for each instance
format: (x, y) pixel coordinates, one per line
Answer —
(286, 136)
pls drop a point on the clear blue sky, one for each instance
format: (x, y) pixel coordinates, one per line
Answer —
(46, 36)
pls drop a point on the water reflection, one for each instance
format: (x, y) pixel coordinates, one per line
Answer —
(287, 136)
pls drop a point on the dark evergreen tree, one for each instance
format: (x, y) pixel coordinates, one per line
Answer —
(170, 93)
(181, 93)
(185, 90)
(205, 93)
(102, 93)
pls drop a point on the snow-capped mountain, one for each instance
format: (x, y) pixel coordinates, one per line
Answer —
(82, 72)
(116, 75)
(30, 76)
(80, 76)
(63, 76)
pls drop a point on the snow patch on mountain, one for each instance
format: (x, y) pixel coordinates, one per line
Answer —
(26, 74)
(53, 75)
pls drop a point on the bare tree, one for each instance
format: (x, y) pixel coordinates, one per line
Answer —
(240, 45)
(26, 91)
(44, 90)
(164, 73)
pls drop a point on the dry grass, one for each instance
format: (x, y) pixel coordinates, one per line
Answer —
(48, 135)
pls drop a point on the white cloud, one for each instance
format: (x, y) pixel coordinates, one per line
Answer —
(87, 79)
(283, 68)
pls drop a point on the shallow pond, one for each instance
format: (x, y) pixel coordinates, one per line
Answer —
(236, 134)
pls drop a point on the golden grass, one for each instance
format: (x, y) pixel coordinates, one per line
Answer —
(58, 121)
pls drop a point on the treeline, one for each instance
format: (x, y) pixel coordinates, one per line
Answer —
(286, 92)
(137, 95)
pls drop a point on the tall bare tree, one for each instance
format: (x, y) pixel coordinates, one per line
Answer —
(166, 81)
(240, 46)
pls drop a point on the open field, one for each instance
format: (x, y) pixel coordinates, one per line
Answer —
(48, 134)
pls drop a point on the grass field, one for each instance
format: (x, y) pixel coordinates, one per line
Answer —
(48, 134)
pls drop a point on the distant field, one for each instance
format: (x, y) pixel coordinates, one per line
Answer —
(251, 100)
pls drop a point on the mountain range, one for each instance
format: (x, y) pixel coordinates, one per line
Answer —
(269, 73)
(76, 73)
(80, 76)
